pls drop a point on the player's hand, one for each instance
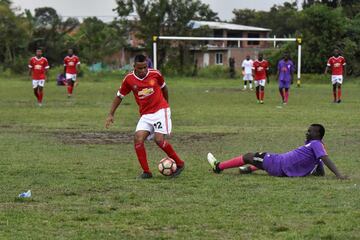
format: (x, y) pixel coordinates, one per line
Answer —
(109, 121)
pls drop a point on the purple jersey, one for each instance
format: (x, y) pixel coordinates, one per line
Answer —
(296, 163)
(285, 68)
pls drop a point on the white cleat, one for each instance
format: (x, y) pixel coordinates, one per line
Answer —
(213, 163)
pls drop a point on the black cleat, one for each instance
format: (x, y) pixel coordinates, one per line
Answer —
(338, 101)
(178, 171)
(245, 170)
(145, 175)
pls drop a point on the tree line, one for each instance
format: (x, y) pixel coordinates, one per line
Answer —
(322, 24)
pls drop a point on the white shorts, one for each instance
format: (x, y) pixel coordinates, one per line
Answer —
(336, 79)
(71, 76)
(260, 83)
(38, 83)
(248, 77)
(158, 122)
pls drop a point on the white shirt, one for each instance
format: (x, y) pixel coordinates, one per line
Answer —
(247, 65)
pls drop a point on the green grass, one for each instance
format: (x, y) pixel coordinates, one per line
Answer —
(83, 177)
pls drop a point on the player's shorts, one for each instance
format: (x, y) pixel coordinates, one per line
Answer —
(284, 84)
(70, 76)
(38, 83)
(336, 79)
(261, 82)
(272, 165)
(248, 77)
(158, 122)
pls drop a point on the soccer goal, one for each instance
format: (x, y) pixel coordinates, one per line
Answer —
(274, 40)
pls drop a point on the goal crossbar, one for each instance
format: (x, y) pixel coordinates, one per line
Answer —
(274, 40)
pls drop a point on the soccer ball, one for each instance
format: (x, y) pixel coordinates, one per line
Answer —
(167, 166)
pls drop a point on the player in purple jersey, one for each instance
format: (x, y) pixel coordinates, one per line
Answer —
(285, 75)
(303, 161)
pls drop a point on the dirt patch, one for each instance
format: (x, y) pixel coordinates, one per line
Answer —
(104, 138)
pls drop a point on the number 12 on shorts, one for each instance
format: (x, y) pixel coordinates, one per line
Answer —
(158, 125)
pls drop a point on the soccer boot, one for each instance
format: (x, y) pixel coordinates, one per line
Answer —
(245, 170)
(145, 175)
(178, 171)
(213, 163)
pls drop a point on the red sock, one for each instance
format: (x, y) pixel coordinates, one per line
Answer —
(339, 93)
(70, 89)
(257, 94)
(286, 96)
(334, 94)
(262, 93)
(141, 155)
(40, 97)
(168, 149)
(253, 168)
(234, 162)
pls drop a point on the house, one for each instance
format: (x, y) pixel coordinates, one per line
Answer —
(218, 52)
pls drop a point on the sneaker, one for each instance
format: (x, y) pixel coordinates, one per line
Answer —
(245, 170)
(261, 102)
(40, 104)
(338, 101)
(213, 163)
(145, 175)
(178, 171)
(69, 95)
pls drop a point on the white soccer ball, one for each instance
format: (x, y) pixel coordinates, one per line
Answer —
(167, 166)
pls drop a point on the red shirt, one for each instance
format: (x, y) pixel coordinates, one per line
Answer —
(38, 67)
(70, 63)
(337, 65)
(147, 91)
(260, 68)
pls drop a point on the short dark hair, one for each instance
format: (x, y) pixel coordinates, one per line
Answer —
(38, 48)
(140, 58)
(321, 129)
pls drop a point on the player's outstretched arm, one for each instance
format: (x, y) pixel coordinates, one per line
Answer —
(114, 106)
(326, 160)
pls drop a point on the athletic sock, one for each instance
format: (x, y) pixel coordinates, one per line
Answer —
(286, 96)
(40, 98)
(232, 163)
(169, 150)
(70, 89)
(141, 155)
(262, 93)
(334, 94)
(339, 93)
(250, 85)
(257, 94)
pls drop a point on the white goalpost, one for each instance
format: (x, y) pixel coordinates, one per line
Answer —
(274, 40)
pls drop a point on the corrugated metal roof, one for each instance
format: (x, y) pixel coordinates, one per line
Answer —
(229, 26)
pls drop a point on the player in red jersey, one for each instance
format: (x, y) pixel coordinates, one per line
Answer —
(71, 68)
(38, 70)
(151, 95)
(260, 73)
(337, 63)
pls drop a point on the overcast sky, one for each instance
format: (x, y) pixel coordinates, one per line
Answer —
(104, 7)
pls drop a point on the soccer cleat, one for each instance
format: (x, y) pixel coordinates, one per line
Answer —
(213, 163)
(338, 101)
(261, 102)
(145, 175)
(258, 101)
(245, 170)
(40, 104)
(178, 171)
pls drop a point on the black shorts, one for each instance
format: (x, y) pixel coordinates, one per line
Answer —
(258, 159)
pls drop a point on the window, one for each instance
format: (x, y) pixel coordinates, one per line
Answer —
(219, 58)
(253, 35)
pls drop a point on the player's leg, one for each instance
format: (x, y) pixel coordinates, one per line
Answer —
(140, 151)
(339, 92)
(250, 85)
(41, 94)
(257, 90)
(287, 94)
(262, 92)
(281, 91)
(334, 92)
(70, 85)
(35, 85)
(245, 83)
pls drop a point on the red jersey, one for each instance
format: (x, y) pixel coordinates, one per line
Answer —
(260, 68)
(70, 64)
(337, 65)
(147, 91)
(38, 67)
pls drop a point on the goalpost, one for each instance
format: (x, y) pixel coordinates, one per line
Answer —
(274, 40)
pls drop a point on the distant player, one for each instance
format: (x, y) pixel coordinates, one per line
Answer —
(38, 70)
(303, 161)
(246, 67)
(151, 94)
(337, 63)
(285, 75)
(71, 68)
(260, 73)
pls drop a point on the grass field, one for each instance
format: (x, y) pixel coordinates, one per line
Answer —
(83, 177)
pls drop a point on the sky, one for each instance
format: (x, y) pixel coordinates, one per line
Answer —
(103, 8)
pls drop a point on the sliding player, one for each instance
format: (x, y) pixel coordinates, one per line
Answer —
(285, 75)
(300, 162)
(337, 63)
(260, 73)
(38, 70)
(151, 94)
(71, 68)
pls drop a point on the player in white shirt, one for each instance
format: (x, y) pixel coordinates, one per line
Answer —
(246, 66)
